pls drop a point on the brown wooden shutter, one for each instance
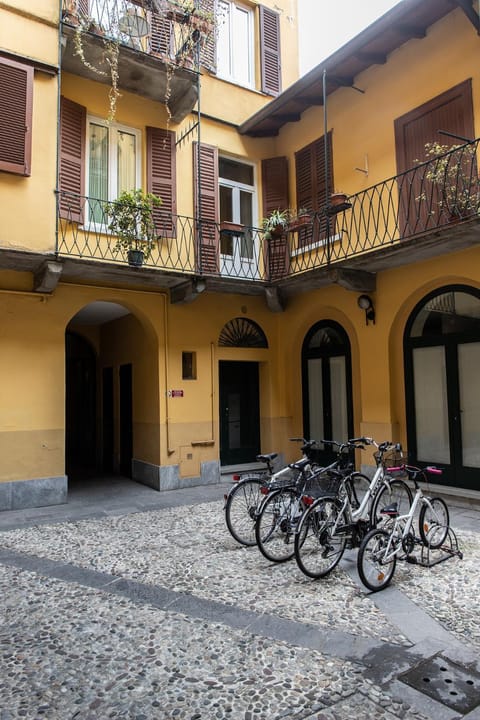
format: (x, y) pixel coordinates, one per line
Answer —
(275, 184)
(208, 55)
(311, 187)
(270, 51)
(161, 34)
(275, 197)
(161, 178)
(16, 102)
(73, 120)
(206, 207)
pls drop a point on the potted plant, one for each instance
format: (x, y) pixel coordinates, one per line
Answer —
(452, 171)
(299, 219)
(132, 220)
(275, 224)
(338, 198)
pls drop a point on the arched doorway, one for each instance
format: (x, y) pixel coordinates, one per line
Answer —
(327, 384)
(442, 382)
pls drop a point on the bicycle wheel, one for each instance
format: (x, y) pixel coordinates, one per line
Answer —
(275, 525)
(433, 521)
(390, 492)
(374, 570)
(320, 540)
(241, 509)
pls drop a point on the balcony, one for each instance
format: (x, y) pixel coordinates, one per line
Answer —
(431, 209)
(153, 46)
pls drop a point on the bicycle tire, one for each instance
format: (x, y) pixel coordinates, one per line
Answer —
(318, 548)
(374, 573)
(275, 526)
(433, 526)
(241, 509)
(391, 491)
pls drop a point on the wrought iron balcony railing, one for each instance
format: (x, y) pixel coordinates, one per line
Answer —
(160, 28)
(421, 201)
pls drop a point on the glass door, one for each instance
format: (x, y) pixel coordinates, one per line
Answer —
(442, 357)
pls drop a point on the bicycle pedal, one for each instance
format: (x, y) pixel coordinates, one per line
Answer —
(411, 559)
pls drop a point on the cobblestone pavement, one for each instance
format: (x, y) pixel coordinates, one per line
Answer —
(160, 614)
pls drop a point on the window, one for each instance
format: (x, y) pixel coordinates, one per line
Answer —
(235, 43)
(189, 365)
(236, 191)
(16, 81)
(113, 163)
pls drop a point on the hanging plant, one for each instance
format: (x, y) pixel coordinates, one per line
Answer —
(111, 54)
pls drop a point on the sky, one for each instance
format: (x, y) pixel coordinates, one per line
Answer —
(324, 26)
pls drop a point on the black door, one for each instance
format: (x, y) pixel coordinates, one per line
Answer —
(327, 386)
(80, 406)
(442, 357)
(107, 419)
(239, 412)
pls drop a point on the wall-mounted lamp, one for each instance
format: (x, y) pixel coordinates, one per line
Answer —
(365, 303)
(199, 285)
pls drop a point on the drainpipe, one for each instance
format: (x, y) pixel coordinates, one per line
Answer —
(170, 450)
(59, 93)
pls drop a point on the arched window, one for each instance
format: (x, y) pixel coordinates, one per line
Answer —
(242, 332)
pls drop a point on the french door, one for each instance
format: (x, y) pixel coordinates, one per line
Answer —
(442, 357)
(327, 386)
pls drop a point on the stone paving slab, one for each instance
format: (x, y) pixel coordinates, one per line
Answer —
(229, 634)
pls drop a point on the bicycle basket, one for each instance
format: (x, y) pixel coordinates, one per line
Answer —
(323, 484)
(285, 478)
(389, 458)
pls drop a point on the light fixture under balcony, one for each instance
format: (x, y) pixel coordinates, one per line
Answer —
(365, 303)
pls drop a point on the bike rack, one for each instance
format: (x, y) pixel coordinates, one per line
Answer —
(433, 556)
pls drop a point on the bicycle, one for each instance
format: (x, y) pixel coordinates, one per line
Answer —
(380, 548)
(284, 505)
(243, 500)
(340, 517)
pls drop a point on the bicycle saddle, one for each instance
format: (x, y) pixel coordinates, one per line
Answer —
(390, 510)
(268, 457)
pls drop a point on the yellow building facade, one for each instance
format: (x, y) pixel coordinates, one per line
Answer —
(226, 342)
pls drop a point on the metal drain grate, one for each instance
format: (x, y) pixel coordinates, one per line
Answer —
(447, 682)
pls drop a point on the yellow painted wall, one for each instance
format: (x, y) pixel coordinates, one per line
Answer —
(363, 124)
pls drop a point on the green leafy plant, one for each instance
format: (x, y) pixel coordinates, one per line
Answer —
(276, 223)
(132, 220)
(452, 171)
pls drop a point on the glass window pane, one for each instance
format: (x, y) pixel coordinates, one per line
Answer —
(431, 413)
(468, 365)
(241, 45)
(338, 399)
(315, 398)
(451, 312)
(98, 169)
(237, 171)
(126, 162)
(223, 39)
(226, 203)
(327, 338)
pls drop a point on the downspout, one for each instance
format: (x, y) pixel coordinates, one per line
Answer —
(325, 151)
(170, 451)
(59, 93)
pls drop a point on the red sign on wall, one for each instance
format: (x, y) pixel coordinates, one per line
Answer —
(175, 393)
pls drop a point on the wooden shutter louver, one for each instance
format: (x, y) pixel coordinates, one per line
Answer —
(73, 119)
(275, 197)
(206, 207)
(208, 54)
(16, 103)
(161, 178)
(312, 191)
(270, 51)
(161, 35)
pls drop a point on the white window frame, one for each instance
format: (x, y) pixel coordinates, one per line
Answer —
(237, 56)
(113, 130)
(238, 186)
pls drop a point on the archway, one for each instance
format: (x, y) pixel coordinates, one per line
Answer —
(442, 357)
